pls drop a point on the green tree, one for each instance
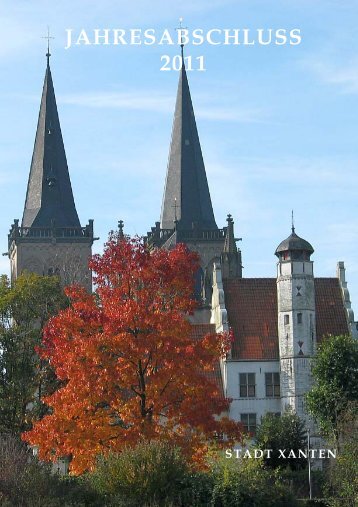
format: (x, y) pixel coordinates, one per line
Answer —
(245, 482)
(285, 432)
(344, 477)
(31, 300)
(336, 383)
(25, 482)
(343, 473)
(24, 309)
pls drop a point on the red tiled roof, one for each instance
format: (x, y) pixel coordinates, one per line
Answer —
(198, 331)
(330, 313)
(251, 304)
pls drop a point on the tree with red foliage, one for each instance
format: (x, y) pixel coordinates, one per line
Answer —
(128, 365)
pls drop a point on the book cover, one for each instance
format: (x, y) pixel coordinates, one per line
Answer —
(227, 126)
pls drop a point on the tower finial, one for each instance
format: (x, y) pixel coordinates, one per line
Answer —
(48, 37)
(120, 229)
(230, 240)
(292, 223)
(179, 29)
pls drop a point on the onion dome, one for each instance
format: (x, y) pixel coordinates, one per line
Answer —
(294, 248)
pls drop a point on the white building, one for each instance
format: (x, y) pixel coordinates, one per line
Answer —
(277, 322)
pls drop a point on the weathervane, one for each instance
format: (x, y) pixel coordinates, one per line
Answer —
(48, 37)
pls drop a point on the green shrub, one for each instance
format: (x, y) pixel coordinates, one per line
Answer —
(343, 476)
(150, 473)
(315, 503)
(25, 482)
(156, 474)
(246, 483)
(196, 490)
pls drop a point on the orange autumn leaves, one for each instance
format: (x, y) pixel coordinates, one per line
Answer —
(129, 367)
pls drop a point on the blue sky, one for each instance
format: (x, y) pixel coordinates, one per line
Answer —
(278, 124)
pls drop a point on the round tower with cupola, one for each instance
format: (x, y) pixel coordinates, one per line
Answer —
(296, 320)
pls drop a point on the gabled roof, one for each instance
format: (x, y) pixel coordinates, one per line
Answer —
(251, 304)
(186, 197)
(49, 197)
(331, 317)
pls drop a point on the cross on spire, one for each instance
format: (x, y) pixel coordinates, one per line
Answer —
(181, 27)
(48, 37)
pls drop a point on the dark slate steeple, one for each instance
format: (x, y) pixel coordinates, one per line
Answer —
(186, 200)
(49, 198)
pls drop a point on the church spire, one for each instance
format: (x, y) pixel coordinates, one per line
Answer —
(49, 198)
(186, 196)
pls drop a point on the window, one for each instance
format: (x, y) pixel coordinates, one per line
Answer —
(249, 423)
(299, 318)
(286, 319)
(247, 385)
(272, 382)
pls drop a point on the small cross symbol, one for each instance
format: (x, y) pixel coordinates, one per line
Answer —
(181, 27)
(48, 37)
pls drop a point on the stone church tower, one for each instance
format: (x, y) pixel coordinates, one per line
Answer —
(296, 320)
(50, 239)
(187, 213)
